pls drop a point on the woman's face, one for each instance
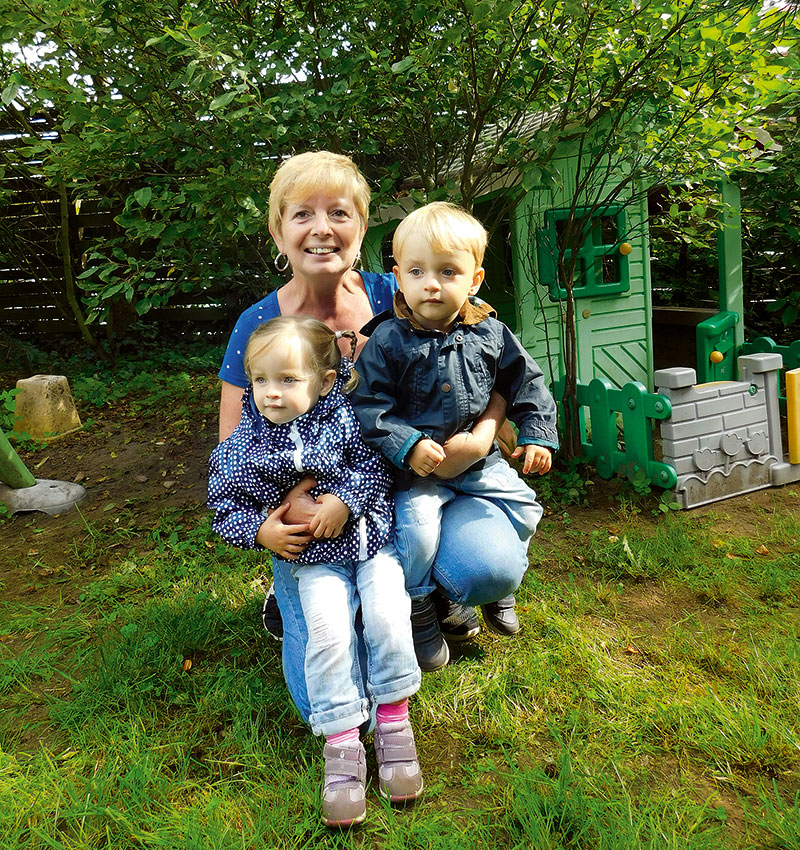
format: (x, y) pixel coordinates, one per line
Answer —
(321, 235)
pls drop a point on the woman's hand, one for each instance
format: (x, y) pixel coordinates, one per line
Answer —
(425, 457)
(302, 506)
(461, 451)
(286, 541)
(537, 458)
(332, 514)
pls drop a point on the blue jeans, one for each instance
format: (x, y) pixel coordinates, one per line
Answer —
(340, 688)
(478, 561)
(419, 511)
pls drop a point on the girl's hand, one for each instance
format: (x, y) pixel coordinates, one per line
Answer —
(425, 457)
(330, 518)
(286, 541)
(537, 458)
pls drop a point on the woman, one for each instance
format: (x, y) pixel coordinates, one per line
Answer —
(319, 206)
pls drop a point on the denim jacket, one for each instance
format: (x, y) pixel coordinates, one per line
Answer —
(251, 472)
(418, 383)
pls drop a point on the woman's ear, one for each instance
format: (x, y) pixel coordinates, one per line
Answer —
(328, 380)
(277, 239)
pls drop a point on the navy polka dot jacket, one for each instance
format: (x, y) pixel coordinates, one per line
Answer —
(251, 471)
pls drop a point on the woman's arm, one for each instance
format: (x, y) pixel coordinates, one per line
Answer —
(462, 450)
(230, 409)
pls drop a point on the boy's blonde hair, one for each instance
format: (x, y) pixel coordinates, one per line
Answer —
(446, 227)
(300, 176)
(318, 342)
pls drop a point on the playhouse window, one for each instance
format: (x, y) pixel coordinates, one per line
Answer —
(600, 269)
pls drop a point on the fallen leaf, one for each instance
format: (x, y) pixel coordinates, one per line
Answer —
(187, 665)
(762, 550)
(732, 556)
(717, 543)
(631, 649)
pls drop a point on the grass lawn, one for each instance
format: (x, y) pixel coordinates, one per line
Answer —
(652, 699)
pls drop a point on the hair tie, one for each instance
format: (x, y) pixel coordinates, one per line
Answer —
(351, 335)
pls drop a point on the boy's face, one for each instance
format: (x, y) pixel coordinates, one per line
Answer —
(283, 387)
(435, 284)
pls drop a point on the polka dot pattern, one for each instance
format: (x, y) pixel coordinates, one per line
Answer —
(251, 471)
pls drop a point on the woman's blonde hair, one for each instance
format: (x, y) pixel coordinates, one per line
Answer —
(300, 176)
(445, 227)
(320, 351)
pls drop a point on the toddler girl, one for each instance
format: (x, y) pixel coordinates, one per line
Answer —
(296, 422)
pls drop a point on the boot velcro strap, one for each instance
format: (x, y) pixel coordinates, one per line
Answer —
(343, 761)
(401, 752)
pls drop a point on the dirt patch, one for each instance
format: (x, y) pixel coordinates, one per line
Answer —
(131, 472)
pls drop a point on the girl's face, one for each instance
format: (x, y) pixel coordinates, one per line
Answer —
(321, 235)
(284, 387)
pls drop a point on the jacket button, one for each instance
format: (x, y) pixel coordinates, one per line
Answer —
(445, 388)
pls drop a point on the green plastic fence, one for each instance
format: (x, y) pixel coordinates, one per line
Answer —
(631, 453)
(790, 354)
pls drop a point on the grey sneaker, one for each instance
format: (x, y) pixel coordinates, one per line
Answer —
(457, 622)
(501, 617)
(399, 774)
(271, 615)
(430, 647)
(343, 798)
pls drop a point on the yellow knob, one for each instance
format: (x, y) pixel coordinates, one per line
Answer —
(625, 248)
(716, 357)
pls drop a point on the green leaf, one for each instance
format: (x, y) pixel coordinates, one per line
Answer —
(143, 196)
(403, 65)
(222, 100)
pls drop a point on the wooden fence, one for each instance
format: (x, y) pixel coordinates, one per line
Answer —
(41, 225)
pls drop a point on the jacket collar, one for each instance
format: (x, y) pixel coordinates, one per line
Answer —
(472, 312)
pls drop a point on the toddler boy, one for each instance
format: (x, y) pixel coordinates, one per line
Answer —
(428, 371)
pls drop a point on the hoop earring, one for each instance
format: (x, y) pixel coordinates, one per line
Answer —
(357, 260)
(277, 262)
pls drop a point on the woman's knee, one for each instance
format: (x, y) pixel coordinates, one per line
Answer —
(481, 558)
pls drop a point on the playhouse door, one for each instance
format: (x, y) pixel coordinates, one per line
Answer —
(613, 339)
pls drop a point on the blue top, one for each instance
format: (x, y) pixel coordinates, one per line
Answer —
(380, 290)
(251, 472)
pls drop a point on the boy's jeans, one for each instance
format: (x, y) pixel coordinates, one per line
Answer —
(418, 519)
(330, 595)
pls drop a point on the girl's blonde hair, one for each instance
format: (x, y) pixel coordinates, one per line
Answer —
(446, 228)
(300, 176)
(320, 351)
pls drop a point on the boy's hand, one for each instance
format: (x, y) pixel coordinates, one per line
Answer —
(330, 518)
(425, 457)
(537, 458)
(286, 541)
